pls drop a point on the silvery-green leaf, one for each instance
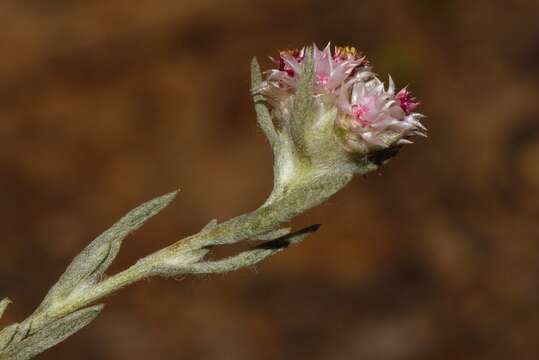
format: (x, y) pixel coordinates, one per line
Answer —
(312, 192)
(303, 102)
(272, 235)
(51, 335)
(21, 332)
(3, 305)
(209, 226)
(6, 336)
(249, 257)
(262, 113)
(92, 262)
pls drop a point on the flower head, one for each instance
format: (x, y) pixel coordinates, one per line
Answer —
(377, 116)
(330, 70)
(342, 108)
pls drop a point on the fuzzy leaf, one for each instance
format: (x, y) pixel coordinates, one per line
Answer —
(51, 335)
(249, 257)
(21, 331)
(94, 260)
(303, 102)
(3, 305)
(6, 336)
(272, 235)
(209, 226)
(262, 113)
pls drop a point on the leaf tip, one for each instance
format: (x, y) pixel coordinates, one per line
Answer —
(3, 305)
(169, 197)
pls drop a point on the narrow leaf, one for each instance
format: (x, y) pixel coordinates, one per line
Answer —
(94, 260)
(21, 331)
(51, 335)
(209, 226)
(6, 336)
(262, 113)
(3, 305)
(303, 101)
(249, 257)
(272, 235)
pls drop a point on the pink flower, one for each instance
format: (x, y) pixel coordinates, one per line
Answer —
(377, 115)
(366, 115)
(330, 70)
(407, 102)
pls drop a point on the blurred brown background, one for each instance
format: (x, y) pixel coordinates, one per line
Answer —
(106, 104)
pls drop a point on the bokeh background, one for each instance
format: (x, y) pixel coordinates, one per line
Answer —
(106, 104)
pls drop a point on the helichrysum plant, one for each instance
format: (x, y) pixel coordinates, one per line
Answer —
(327, 117)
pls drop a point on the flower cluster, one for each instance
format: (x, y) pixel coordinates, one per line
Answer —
(369, 114)
(330, 71)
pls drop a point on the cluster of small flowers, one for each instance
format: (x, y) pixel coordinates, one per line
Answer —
(369, 113)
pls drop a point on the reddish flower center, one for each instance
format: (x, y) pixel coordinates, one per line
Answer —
(359, 111)
(407, 102)
(322, 79)
(283, 66)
